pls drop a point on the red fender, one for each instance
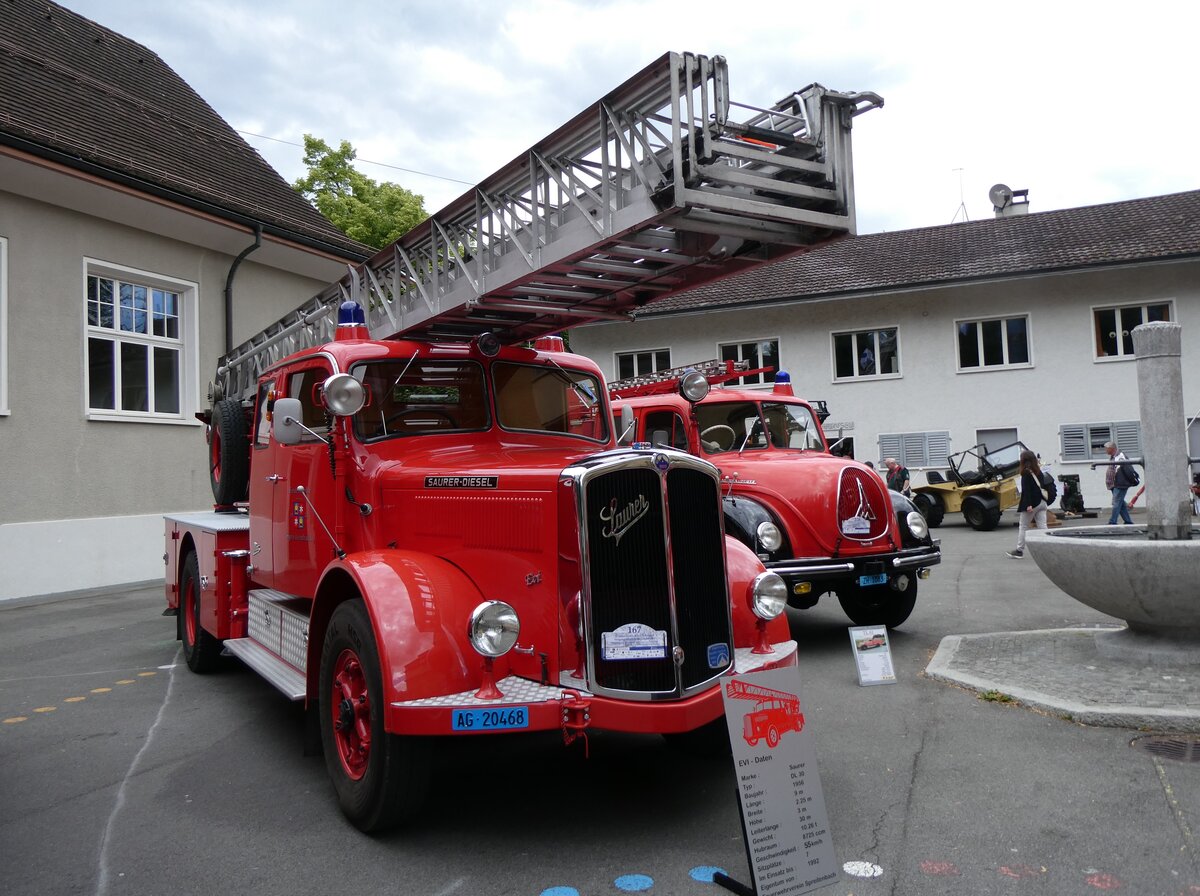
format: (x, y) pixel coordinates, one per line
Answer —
(419, 606)
(742, 567)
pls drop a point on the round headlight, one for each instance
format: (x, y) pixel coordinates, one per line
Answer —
(693, 385)
(769, 536)
(494, 628)
(344, 395)
(768, 595)
(917, 525)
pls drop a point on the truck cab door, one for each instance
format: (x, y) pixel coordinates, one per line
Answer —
(301, 546)
(264, 483)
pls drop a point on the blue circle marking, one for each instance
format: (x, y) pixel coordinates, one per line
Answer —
(560, 891)
(704, 873)
(634, 883)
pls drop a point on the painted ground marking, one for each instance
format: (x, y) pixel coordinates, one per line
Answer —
(704, 873)
(633, 883)
(939, 869)
(862, 869)
(1102, 880)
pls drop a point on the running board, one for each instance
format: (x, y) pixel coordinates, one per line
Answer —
(286, 679)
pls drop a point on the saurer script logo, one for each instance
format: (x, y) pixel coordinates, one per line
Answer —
(621, 521)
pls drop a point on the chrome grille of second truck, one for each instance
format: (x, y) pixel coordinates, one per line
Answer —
(653, 617)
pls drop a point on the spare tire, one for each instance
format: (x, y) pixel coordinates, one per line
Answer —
(228, 452)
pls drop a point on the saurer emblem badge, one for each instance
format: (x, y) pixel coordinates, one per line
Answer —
(622, 520)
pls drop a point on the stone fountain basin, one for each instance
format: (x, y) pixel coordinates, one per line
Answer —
(1153, 584)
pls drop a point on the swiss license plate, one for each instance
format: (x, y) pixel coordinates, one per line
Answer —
(880, 579)
(489, 719)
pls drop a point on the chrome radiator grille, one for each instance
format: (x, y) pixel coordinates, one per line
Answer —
(655, 597)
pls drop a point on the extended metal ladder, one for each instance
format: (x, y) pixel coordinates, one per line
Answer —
(653, 189)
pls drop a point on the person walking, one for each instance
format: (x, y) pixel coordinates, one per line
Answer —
(1032, 504)
(897, 477)
(1115, 481)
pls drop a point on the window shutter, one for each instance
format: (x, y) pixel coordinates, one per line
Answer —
(1128, 436)
(938, 448)
(890, 445)
(1073, 441)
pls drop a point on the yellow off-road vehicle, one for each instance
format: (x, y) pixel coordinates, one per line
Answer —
(981, 494)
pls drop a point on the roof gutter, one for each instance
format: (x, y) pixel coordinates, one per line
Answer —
(74, 161)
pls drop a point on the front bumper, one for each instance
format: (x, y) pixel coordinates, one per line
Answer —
(568, 705)
(831, 569)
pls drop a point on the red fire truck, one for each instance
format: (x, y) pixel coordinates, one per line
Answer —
(822, 522)
(423, 523)
(775, 712)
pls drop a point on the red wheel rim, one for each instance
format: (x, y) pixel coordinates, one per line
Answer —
(214, 456)
(351, 708)
(189, 612)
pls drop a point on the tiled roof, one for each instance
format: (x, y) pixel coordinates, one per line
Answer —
(85, 96)
(1139, 230)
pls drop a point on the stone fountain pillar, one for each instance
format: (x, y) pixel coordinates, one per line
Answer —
(1147, 575)
(1157, 347)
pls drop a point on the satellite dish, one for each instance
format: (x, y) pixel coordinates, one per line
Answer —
(1001, 195)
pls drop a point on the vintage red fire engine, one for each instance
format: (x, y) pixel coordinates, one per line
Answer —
(424, 524)
(824, 523)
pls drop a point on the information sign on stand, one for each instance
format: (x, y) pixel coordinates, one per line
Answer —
(784, 822)
(872, 654)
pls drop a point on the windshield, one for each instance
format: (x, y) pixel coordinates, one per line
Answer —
(540, 398)
(745, 426)
(413, 396)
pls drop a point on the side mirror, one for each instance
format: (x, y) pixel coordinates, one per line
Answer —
(285, 421)
(626, 425)
(658, 438)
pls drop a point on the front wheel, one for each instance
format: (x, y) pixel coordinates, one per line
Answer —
(888, 605)
(201, 651)
(979, 516)
(380, 778)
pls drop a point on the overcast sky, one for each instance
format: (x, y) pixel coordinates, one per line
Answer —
(1079, 103)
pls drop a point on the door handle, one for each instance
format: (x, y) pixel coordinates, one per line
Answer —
(274, 477)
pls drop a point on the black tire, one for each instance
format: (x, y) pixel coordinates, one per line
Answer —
(201, 651)
(709, 741)
(931, 508)
(380, 778)
(228, 453)
(888, 605)
(979, 516)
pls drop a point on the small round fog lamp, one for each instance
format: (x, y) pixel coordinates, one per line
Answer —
(768, 595)
(344, 395)
(494, 628)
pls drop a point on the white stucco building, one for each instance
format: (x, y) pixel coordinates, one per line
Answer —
(926, 342)
(129, 211)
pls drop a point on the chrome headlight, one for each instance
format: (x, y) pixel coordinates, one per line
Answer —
(917, 525)
(768, 595)
(494, 628)
(344, 395)
(693, 386)
(769, 536)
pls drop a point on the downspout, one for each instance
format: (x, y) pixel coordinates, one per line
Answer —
(229, 287)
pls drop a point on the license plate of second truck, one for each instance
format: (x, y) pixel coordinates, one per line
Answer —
(873, 580)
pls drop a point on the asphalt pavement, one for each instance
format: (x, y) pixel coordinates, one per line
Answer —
(1006, 758)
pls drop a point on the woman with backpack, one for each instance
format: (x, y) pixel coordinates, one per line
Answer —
(1032, 504)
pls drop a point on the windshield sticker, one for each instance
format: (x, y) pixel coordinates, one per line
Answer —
(634, 641)
(462, 481)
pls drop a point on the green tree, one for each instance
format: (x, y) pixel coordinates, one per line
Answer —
(370, 212)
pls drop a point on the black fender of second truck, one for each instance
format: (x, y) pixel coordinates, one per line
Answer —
(419, 606)
(742, 518)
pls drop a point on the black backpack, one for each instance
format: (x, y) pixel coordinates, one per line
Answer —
(1127, 476)
(1049, 487)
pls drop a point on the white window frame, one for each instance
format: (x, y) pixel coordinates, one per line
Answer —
(916, 450)
(856, 376)
(189, 342)
(765, 383)
(982, 367)
(4, 409)
(617, 356)
(1098, 358)
(1084, 442)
